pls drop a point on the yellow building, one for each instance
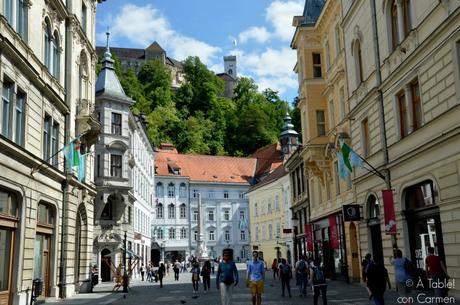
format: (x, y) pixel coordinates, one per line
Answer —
(320, 66)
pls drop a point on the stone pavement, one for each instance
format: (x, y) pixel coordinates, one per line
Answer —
(176, 293)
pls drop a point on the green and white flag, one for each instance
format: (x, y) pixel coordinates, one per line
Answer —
(347, 159)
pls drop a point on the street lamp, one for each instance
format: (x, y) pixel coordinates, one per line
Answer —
(295, 224)
(125, 273)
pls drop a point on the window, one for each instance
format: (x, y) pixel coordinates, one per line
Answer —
(337, 180)
(337, 40)
(406, 17)
(195, 215)
(160, 234)
(403, 128)
(211, 215)
(107, 211)
(394, 24)
(256, 209)
(171, 190)
(98, 165)
(56, 56)
(55, 144)
(342, 103)
(183, 211)
(277, 203)
(320, 123)
(195, 235)
(171, 211)
(182, 190)
(45, 214)
(183, 233)
(83, 16)
(129, 215)
(8, 203)
(160, 189)
(159, 211)
(211, 235)
(317, 65)
(365, 137)
(227, 235)
(269, 206)
(270, 231)
(241, 195)
(225, 194)
(358, 63)
(7, 97)
(242, 235)
(115, 166)
(20, 118)
(116, 123)
(242, 216)
(172, 233)
(420, 195)
(46, 138)
(8, 10)
(21, 18)
(278, 230)
(331, 113)
(47, 43)
(226, 215)
(328, 56)
(399, 14)
(195, 193)
(416, 106)
(211, 194)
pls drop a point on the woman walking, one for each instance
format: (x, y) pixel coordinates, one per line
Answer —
(275, 268)
(206, 275)
(161, 273)
(195, 276)
(227, 277)
(285, 274)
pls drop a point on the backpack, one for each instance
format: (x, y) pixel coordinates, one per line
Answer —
(302, 267)
(285, 269)
(318, 276)
(410, 268)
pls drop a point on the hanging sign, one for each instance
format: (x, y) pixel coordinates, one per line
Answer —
(389, 212)
(333, 232)
(351, 212)
(309, 237)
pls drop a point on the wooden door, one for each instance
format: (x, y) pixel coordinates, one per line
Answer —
(46, 273)
(7, 261)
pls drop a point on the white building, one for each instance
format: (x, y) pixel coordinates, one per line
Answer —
(141, 158)
(222, 182)
(47, 64)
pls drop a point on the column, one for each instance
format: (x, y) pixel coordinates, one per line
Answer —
(399, 7)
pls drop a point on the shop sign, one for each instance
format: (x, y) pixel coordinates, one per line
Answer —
(334, 234)
(389, 212)
(351, 212)
(287, 231)
(309, 237)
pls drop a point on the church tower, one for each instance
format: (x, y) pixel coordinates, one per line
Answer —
(230, 65)
(289, 138)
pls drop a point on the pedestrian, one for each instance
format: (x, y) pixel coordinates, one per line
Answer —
(301, 269)
(275, 268)
(168, 265)
(255, 278)
(377, 280)
(149, 274)
(402, 266)
(206, 275)
(142, 271)
(176, 269)
(365, 264)
(227, 277)
(436, 271)
(318, 281)
(161, 273)
(195, 276)
(213, 265)
(183, 268)
(285, 274)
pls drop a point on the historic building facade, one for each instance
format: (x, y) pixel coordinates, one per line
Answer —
(403, 80)
(47, 63)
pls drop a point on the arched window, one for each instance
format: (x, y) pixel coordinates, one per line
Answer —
(171, 190)
(394, 24)
(160, 189)
(399, 21)
(21, 18)
(83, 73)
(183, 211)
(374, 208)
(172, 233)
(56, 55)
(420, 195)
(47, 44)
(159, 211)
(358, 62)
(182, 190)
(171, 211)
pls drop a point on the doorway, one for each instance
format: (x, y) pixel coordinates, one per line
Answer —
(375, 231)
(42, 261)
(106, 275)
(354, 253)
(6, 263)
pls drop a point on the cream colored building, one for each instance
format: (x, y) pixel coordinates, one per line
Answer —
(403, 93)
(47, 64)
(320, 66)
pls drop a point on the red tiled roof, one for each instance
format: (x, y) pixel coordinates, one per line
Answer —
(268, 158)
(225, 76)
(205, 168)
(279, 172)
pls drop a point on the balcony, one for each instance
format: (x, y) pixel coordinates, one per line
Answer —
(86, 123)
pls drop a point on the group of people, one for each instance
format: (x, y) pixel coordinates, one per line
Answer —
(376, 279)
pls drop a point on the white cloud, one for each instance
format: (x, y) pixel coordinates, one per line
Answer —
(280, 13)
(142, 25)
(259, 34)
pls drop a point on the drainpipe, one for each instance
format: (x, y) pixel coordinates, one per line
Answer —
(381, 108)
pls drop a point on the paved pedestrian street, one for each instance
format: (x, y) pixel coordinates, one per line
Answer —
(143, 293)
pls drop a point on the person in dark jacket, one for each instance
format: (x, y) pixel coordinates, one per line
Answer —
(206, 275)
(377, 280)
(161, 273)
(285, 274)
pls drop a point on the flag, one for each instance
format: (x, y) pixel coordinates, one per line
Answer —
(68, 154)
(81, 173)
(76, 153)
(347, 159)
(243, 224)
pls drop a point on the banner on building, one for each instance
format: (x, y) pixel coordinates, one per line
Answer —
(309, 237)
(389, 212)
(333, 232)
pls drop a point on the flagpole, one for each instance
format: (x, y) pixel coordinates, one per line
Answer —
(378, 173)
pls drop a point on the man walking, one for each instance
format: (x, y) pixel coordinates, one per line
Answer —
(318, 282)
(255, 278)
(285, 274)
(176, 269)
(436, 271)
(301, 269)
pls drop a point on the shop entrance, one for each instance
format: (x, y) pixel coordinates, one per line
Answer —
(355, 277)
(105, 266)
(375, 232)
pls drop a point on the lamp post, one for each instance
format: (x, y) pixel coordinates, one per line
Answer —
(295, 224)
(125, 273)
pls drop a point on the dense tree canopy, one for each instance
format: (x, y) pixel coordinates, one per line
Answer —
(196, 118)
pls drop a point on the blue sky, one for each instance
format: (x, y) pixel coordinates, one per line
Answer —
(209, 28)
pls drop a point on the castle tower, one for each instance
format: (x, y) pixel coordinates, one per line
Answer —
(289, 138)
(230, 65)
